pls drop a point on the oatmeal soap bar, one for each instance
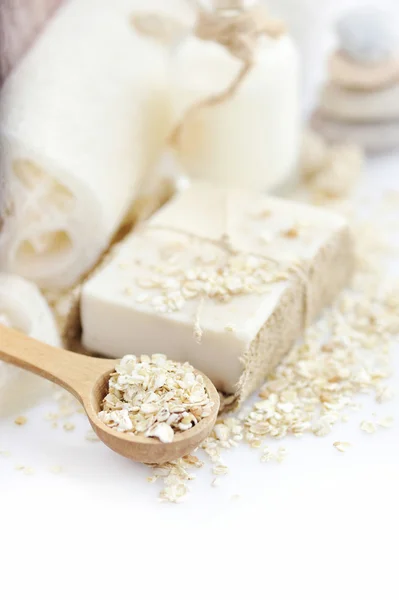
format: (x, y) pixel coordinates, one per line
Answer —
(224, 279)
(83, 117)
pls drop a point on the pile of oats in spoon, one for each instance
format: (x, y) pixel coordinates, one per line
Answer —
(155, 397)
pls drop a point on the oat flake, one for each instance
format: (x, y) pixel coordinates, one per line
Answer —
(386, 422)
(342, 446)
(368, 426)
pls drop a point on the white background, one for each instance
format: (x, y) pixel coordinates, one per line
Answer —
(321, 525)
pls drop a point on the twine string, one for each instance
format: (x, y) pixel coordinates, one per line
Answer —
(237, 30)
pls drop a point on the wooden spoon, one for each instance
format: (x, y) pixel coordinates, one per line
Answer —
(87, 379)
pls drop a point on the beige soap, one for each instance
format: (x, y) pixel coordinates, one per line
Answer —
(225, 279)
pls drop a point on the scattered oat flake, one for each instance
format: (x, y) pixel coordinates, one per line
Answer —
(25, 470)
(215, 482)
(220, 469)
(368, 426)
(21, 420)
(52, 416)
(342, 446)
(236, 497)
(222, 432)
(174, 492)
(91, 436)
(281, 454)
(267, 455)
(5, 453)
(255, 443)
(56, 469)
(68, 426)
(384, 395)
(190, 459)
(386, 422)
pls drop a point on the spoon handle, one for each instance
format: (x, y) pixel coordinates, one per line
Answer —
(74, 372)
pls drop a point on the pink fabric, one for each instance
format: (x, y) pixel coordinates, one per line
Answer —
(20, 22)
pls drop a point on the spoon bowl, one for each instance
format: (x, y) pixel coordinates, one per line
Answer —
(87, 379)
(145, 449)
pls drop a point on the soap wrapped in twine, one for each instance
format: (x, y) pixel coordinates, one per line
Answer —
(299, 271)
(235, 28)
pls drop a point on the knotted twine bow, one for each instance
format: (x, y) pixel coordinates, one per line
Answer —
(237, 30)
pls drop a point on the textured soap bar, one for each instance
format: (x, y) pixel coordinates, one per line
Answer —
(222, 278)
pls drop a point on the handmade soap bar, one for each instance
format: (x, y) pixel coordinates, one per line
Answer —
(83, 118)
(222, 278)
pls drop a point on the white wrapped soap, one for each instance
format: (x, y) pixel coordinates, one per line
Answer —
(250, 138)
(223, 278)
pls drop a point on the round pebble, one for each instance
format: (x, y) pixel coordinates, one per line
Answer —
(355, 106)
(372, 137)
(352, 75)
(366, 35)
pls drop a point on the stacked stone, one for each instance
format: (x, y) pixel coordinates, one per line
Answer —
(360, 101)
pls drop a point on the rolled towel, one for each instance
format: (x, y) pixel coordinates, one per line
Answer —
(83, 118)
(23, 307)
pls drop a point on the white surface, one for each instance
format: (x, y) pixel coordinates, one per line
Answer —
(321, 525)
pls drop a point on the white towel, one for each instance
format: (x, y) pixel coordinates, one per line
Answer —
(83, 118)
(23, 307)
